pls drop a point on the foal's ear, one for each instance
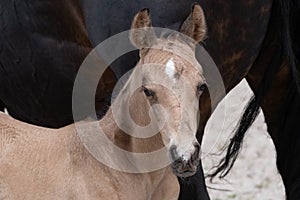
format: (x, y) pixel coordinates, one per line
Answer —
(142, 34)
(195, 26)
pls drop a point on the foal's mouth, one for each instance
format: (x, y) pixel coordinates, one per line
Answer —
(184, 174)
(183, 168)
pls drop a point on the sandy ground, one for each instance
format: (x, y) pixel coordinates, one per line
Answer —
(254, 175)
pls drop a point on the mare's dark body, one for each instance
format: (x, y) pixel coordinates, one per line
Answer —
(42, 44)
(274, 78)
(280, 100)
(39, 58)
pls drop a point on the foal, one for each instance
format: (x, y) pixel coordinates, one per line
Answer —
(162, 93)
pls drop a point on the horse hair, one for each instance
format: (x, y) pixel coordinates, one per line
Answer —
(106, 105)
(252, 109)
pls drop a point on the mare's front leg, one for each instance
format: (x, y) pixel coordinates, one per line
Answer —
(194, 188)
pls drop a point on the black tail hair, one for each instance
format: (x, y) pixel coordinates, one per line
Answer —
(283, 9)
(250, 113)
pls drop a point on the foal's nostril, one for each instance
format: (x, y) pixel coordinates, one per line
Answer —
(197, 145)
(196, 153)
(173, 153)
(186, 165)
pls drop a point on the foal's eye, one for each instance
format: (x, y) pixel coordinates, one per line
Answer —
(148, 92)
(201, 87)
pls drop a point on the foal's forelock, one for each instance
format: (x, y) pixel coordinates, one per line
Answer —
(180, 47)
(173, 55)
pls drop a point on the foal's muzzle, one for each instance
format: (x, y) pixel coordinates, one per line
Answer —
(185, 168)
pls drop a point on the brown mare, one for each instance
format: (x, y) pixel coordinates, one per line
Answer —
(43, 163)
(43, 43)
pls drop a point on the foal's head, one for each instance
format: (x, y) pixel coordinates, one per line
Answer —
(170, 83)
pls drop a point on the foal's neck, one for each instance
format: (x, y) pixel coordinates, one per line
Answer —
(124, 140)
(128, 111)
(159, 184)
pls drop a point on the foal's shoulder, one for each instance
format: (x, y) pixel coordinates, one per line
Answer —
(8, 132)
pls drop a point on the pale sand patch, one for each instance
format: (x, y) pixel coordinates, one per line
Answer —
(254, 175)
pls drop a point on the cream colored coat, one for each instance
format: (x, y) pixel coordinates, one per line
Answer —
(42, 163)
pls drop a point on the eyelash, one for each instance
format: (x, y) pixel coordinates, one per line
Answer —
(148, 92)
